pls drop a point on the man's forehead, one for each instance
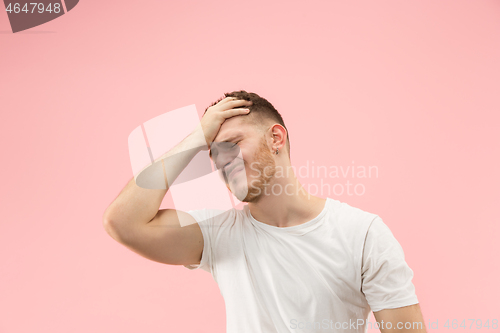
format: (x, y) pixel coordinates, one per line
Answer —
(228, 137)
(230, 128)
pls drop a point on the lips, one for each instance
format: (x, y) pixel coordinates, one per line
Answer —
(235, 170)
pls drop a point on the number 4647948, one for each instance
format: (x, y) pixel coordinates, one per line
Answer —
(472, 322)
(39, 7)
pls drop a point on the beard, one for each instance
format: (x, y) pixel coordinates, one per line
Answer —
(264, 164)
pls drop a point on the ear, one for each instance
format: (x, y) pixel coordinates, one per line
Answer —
(279, 135)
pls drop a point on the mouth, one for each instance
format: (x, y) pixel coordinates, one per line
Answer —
(235, 170)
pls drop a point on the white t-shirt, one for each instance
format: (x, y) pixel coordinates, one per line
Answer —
(321, 276)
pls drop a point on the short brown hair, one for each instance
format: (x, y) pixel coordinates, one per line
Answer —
(260, 109)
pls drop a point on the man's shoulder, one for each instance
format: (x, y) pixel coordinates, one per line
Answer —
(350, 217)
(345, 210)
(212, 216)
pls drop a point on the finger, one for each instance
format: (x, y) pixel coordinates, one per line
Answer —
(236, 103)
(234, 112)
(225, 100)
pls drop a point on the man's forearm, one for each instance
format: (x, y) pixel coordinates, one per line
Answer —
(408, 319)
(136, 204)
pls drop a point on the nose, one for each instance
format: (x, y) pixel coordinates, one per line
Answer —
(223, 161)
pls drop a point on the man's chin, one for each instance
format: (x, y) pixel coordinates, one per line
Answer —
(244, 196)
(243, 193)
(252, 196)
(240, 193)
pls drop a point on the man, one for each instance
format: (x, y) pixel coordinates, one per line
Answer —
(287, 261)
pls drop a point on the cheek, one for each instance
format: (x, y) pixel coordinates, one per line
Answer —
(248, 169)
(254, 171)
(243, 153)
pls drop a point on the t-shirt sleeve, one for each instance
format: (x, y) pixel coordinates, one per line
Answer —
(207, 220)
(386, 277)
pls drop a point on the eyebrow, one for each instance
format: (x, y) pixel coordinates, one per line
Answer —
(231, 138)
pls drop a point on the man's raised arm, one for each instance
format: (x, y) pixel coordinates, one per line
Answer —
(134, 219)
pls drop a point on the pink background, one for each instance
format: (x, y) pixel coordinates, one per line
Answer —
(408, 86)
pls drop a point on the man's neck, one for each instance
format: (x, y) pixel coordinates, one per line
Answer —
(285, 203)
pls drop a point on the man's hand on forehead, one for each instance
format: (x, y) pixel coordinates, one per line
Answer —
(215, 115)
